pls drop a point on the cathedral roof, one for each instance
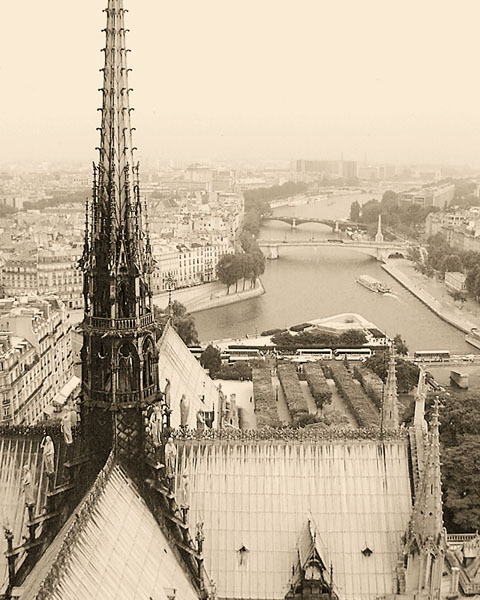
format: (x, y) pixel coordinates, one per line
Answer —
(111, 548)
(186, 375)
(255, 497)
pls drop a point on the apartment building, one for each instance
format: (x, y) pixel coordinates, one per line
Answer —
(189, 263)
(47, 272)
(36, 362)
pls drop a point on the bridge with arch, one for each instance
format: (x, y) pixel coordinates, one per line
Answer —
(336, 225)
(379, 250)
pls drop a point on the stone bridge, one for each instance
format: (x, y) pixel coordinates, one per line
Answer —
(378, 250)
(337, 225)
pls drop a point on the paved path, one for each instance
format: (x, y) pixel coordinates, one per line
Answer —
(434, 295)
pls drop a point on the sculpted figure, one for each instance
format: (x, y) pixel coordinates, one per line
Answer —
(28, 486)
(200, 420)
(170, 458)
(184, 410)
(156, 425)
(167, 393)
(48, 455)
(66, 426)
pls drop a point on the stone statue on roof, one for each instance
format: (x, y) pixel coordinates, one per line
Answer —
(184, 410)
(170, 459)
(156, 425)
(66, 426)
(48, 457)
(184, 495)
(167, 393)
(28, 486)
(200, 420)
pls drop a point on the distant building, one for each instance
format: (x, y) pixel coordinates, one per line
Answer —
(187, 265)
(36, 361)
(438, 197)
(455, 282)
(48, 272)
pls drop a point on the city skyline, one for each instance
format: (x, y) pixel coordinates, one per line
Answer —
(229, 81)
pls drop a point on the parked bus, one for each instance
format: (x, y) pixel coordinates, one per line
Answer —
(196, 351)
(321, 353)
(236, 354)
(431, 356)
(352, 353)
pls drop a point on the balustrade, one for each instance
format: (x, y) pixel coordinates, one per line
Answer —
(119, 324)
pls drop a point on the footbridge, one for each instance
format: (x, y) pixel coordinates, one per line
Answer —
(336, 225)
(379, 250)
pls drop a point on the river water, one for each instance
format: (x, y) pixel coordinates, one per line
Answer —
(310, 283)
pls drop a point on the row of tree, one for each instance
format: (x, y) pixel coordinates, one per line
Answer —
(443, 258)
(246, 264)
(405, 218)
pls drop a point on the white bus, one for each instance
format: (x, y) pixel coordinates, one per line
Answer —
(321, 353)
(352, 353)
(431, 356)
(236, 354)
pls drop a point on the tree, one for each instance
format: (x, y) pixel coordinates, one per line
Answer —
(182, 321)
(407, 372)
(211, 359)
(450, 263)
(400, 345)
(472, 281)
(355, 212)
(390, 198)
(352, 337)
(228, 270)
(258, 266)
(462, 482)
(247, 268)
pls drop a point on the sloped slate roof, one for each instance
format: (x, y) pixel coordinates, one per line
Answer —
(15, 452)
(186, 376)
(117, 553)
(259, 495)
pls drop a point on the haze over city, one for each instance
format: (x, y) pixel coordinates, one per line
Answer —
(231, 80)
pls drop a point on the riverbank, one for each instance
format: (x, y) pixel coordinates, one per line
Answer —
(434, 295)
(209, 295)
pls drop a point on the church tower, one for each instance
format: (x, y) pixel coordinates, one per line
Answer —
(119, 359)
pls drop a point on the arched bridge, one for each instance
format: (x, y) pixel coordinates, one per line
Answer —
(337, 225)
(379, 250)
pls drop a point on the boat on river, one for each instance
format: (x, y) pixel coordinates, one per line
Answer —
(373, 284)
(473, 338)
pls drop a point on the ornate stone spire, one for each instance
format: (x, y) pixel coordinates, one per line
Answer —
(420, 395)
(117, 257)
(119, 358)
(427, 512)
(390, 396)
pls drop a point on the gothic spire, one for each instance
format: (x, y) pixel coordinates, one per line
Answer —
(117, 250)
(390, 397)
(427, 512)
(119, 358)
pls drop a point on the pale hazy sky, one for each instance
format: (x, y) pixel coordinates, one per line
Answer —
(249, 78)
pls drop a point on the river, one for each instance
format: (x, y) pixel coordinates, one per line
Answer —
(305, 284)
